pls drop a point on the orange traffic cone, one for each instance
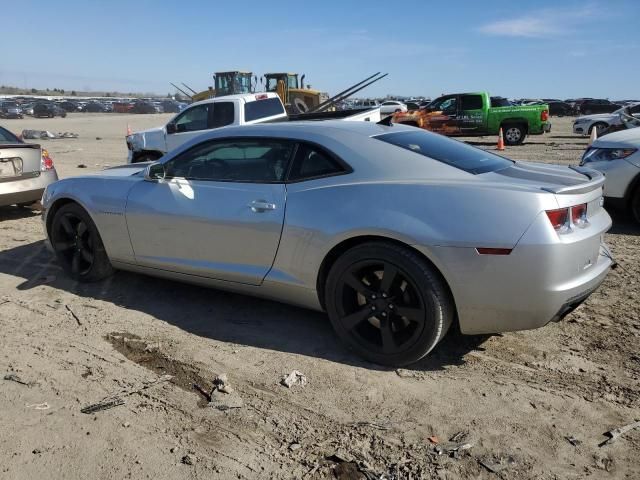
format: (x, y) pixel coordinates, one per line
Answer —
(128, 130)
(500, 140)
(594, 135)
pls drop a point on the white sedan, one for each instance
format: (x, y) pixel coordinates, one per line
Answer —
(601, 121)
(392, 106)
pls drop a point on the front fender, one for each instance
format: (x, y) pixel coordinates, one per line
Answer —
(104, 199)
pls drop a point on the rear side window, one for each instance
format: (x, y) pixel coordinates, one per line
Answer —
(7, 137)
(445, 150)
(262, 109)
(313, 162)
(222, 114)
(471, 102)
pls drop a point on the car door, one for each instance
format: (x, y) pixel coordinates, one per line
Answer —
(471, 118)
(443, 116)
(193, 121)
(217, 213)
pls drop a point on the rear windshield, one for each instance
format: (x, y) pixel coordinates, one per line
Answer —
(262, 109)
(445, 150)
(7, 137)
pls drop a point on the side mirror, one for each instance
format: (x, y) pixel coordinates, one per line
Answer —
(154, 172)
(171, 128)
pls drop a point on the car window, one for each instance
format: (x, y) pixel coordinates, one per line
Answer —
(446, 150)
(313, 162)
(242, 160)
(471, 102)
(193, 119)
(222, 114)
(635, 109)
(7, 137)
(262, 108)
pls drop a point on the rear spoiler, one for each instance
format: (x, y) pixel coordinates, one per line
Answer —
(596, 180)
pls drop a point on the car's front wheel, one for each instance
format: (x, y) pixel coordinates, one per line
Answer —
(388, 303)
(77, 244)
(635, 205)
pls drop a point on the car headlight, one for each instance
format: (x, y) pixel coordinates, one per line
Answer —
(606, 154)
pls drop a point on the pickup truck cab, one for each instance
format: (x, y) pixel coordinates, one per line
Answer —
(472, 114)
(243, 109)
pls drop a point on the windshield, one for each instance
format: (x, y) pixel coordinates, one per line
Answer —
(445, 150)
(7, 137)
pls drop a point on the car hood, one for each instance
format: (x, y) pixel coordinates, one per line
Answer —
(623, 138)
(139, 139)
(127, 170)
(595, 116)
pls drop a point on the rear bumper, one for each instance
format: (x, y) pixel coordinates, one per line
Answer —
(546, 128)
(26, 190)
(543, 278)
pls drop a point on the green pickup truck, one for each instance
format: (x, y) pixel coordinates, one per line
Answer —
(478, 114)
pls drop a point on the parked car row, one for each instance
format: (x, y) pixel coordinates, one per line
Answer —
(17, 108)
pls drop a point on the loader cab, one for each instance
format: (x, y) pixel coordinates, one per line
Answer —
(290, 80)
(232, 83)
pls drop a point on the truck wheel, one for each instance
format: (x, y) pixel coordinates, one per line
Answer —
(300, 105)
(146, 157)
(514, 134)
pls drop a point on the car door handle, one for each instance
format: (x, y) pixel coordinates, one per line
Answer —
(260, 206)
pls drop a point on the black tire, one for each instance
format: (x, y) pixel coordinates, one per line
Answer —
(635, 205)
(514, 133)
(387, 303)
(600, 127)
(146, 157)
(78, 246)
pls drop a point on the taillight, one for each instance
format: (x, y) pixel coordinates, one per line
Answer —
(559, 218)
(563, 218)
(579, 215)
(46, 163)
(544, 115)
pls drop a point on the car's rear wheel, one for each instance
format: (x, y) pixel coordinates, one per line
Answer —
(387, 303)
(513, 134)
(78, 246)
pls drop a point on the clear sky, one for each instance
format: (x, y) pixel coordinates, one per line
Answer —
(538, 48)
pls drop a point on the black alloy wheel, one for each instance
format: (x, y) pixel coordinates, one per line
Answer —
(389, 304)
(77, 244)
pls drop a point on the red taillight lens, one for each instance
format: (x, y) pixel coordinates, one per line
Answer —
(544, 116)
(558, 218)
(579, 214)
(47, 162)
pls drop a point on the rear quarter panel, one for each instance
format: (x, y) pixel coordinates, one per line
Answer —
(319, 216)
(529, 114)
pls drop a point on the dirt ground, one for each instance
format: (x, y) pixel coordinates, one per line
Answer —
(535, 403)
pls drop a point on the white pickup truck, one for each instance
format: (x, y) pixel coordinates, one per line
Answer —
(243, 109)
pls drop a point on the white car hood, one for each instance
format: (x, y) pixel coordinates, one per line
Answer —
(144, 138)
(121, 170)
(623, 138)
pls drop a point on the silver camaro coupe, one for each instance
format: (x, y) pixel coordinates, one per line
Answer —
(395, 232)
